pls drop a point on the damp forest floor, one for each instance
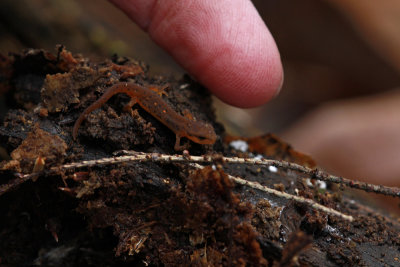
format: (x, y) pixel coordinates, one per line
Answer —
(121, 195)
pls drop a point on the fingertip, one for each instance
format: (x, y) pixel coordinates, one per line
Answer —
(224, 44)
(245, 80)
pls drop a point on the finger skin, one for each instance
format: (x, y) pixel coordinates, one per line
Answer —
(224, 44)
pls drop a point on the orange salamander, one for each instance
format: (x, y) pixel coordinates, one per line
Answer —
(197, 131)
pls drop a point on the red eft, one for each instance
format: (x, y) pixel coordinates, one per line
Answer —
(197, 131)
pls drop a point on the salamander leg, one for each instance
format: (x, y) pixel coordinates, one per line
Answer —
(128, 107)
(178, 146)
(159, 90)
(131, 103)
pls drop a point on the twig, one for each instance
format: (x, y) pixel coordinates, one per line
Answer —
(141, 157)
(313, 173)
(280, 194)
(17, 181)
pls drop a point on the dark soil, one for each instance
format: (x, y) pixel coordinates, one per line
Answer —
(151, 213)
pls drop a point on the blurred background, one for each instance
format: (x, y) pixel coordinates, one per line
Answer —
(340, 101)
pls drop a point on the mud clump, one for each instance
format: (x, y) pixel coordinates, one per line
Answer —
(38, 148)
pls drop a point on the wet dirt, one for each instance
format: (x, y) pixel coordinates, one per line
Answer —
(156, 213)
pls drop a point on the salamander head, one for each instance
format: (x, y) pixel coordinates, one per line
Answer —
(201, 133)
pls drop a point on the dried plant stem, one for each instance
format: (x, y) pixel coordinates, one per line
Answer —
(16, 182)
(280, 194)
(313, 173)
(141, 157)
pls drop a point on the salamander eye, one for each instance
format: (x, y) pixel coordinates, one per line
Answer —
(201, 138)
